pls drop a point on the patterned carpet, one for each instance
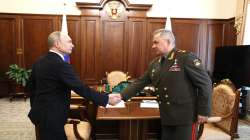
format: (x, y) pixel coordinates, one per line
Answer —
(244, 130)
(15, 125)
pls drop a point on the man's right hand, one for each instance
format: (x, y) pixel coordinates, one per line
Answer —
(114, 98)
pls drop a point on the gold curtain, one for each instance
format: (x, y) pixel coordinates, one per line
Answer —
(240, 19)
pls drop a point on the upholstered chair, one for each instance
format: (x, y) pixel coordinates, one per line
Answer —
(222, 125)
(116, 77)
(79, 127)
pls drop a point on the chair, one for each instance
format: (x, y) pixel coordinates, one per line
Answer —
(80, 123)
(116, 77)
(78, 129)
(224, 121)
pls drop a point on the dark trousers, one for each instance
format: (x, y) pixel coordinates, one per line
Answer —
(179, 132)
(50, 134)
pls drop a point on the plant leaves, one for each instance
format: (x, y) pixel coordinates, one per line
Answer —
(18, 74)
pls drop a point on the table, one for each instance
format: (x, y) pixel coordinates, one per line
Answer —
(133, 119)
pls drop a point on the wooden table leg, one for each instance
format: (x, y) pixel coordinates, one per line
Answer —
(133, 130)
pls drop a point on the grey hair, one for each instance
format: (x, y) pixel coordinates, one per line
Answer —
(165, 34)
(54, 36)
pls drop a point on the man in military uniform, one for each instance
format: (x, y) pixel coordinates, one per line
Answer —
(181, 84)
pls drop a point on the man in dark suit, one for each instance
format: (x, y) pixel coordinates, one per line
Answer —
(52, 79)
(181, 84)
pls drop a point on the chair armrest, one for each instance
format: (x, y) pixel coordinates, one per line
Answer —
(77, 107)
(214, 119)
(82, 130)
(209, 120)
(73, 121)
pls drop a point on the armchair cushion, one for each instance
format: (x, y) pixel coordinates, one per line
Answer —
(83, 129)
(222, 105)
(214, 133)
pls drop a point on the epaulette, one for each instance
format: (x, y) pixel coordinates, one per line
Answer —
(181, 51)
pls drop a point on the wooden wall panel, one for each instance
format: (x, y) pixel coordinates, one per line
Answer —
(74, 24)
(8, 41)
(35, 31)
(230, 36)
(103, 44)
(191, 36)
(113, 46)
(152, 25)
(90, 50)
(187, 35)
(137, 47)
(214, 39)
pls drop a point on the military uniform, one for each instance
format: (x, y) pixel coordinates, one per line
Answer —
(181, 84)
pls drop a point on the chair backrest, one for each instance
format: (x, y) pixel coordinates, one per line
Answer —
(81, 122)
(116, 77)
(225, 102)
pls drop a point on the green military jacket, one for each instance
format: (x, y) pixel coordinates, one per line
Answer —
(181, 84)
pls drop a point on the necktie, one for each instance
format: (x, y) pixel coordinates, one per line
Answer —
(66, 58)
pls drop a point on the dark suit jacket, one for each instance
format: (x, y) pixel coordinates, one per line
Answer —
(51, 82)
(182, 85)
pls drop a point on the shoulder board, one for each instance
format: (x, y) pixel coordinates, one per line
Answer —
(181, 51)
(192, 55)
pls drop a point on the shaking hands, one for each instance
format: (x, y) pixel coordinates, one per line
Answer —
(114, 98)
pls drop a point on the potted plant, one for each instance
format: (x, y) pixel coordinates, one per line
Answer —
(20, 76)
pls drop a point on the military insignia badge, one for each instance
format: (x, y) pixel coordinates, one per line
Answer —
(175, 66)
(153, 70)
(197, 62)
(171, 56)
(114, 9)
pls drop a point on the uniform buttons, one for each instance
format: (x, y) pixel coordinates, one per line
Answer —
(157, 96)
(165, 88)
(168, 103)
(156, 89)
(166, 96)
(159, 102)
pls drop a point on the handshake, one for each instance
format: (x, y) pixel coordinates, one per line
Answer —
(114, 98)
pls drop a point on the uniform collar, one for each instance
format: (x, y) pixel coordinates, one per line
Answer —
(168, 56)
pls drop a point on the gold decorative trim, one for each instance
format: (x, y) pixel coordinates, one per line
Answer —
(19, 51)
(238, 24)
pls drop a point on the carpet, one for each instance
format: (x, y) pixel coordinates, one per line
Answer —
(14, 123)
